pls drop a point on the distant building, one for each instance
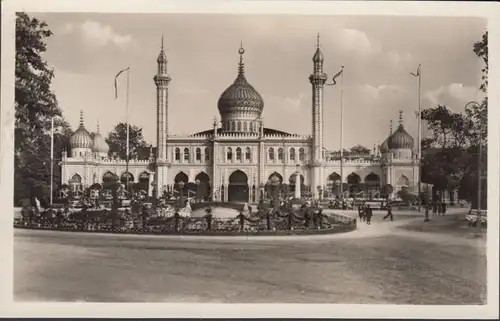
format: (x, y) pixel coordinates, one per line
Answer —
(234, 159)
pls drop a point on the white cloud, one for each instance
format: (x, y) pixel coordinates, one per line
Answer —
(287, 102)
(99, 35)
(353, 40)
(376, 91)
(68, 28)
(455, 91)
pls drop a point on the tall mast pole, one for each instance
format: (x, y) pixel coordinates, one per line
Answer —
(419, 136)
(342, 139)
(126, 121)
(51, 160)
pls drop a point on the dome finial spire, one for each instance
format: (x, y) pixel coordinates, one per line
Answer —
(390, 127)
(81, 118)
(162, 41)
(98, 126)
(241, 65)
(317, 41)
(400, 118)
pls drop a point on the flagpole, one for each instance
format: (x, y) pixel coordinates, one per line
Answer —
(342, 140)
(126, 121)
(51, 160)
(419, 122)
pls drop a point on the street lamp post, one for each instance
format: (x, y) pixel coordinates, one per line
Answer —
(479, 172)
(181, 193)
(197, 182)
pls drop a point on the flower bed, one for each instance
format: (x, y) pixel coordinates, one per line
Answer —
(288, 222)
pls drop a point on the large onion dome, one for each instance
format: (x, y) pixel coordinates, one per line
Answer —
(81, 138)
(240, 97)
(401, 139)
(99, 144)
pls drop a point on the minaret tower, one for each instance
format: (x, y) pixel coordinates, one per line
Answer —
(161, 79)
(317, 79)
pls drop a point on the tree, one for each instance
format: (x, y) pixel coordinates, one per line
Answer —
(117, 140)
(450, 157)
(481, 50)
(35, 105)
(359, 150)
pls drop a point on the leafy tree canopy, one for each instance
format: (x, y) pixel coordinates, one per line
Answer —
(117, 141)
(35, 106)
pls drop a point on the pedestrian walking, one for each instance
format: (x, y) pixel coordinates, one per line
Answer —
(439, 208)
(368, 214)
(443, 210)
(361, 213)
(389, 212)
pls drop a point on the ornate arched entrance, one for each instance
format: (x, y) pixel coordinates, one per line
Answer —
(181, 177)
(292, 182)
(144, 182)
(353, 180)
(202, 181)
(372, 185)
(238, 187)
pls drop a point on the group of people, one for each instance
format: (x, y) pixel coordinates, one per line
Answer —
(365, 213)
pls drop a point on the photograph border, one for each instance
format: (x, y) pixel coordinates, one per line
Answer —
(10, 308)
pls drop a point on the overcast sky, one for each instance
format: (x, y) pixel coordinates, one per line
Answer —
(378, 53)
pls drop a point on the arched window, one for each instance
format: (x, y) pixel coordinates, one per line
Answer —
(245, 126)
(177, 154)
(247, 153)
(229, 153)
(271, 154)
(280, 153)
(198, 154)
(239, 126)
(238, 153)
(302, 154)
(292, 154)
(233, 126)
(207, 154)
(186, 154)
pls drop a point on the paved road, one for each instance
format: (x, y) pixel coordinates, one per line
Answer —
(380, 263)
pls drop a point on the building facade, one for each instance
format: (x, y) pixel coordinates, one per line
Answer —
(235, 159)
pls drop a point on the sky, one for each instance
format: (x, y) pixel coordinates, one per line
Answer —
(378, 52)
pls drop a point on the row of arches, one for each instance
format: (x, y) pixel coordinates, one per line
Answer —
(186, 154)
(370, 179)
(280, 153)
(76, 181)
(241, 126)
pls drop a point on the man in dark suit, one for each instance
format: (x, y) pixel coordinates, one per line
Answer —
(368, 214)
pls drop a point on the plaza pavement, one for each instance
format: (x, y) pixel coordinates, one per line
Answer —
(379, 263)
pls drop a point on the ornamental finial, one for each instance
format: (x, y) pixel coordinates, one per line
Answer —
(81, 118)
(390, 127)
(241, 66)
(161, 41)
(317, 41)
(98, 126)
(400, 118)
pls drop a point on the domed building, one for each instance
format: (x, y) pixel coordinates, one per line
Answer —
(238, 157)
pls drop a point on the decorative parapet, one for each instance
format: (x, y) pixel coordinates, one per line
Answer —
(347, 161)
(120, 162)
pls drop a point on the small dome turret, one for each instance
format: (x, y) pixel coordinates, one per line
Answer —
(401, 139)
(81, 138)
(384, 147)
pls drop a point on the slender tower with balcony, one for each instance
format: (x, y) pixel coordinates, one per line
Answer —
(161, 79)
(317, 79)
